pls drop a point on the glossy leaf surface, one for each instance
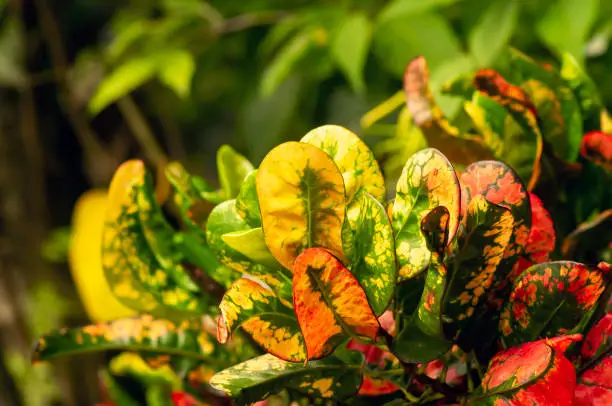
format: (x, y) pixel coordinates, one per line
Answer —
(533, 373)
(302, 201)
(520, 107)
(256, 379)
(500, 185)
(134, 274)
(597, 147)
(247, 202)
(325, 293)
(356, 162)
(225, 219)
(481, 242)
(599, 338)
(264, 317)
(550, 299)
(373, 253)
(233, 169)
(142, 333)
(440, 133)
(595, 384)
(428, 180)
(251, 244)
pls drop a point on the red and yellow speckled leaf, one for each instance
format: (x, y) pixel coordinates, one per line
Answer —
(142, 333)
(428, 180)
(500, 185)
(260, 377)
(131, 254)
(302, 201)
(355, 161)
(263, 315)
(372, 255)
(520, 107)
(438, 131)
(535, 373)
(597, 147)
(224, 219)
(325, 293)
(599, 338)
(590, 236)
(594, 386)
(477, 252)
(550, 299)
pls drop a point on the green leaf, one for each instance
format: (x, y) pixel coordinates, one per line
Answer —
(252, 245)
(225, 219)
(123, 80)
(269, 320)
(260, 377)
(247, 202)
(476, 253)
(350, 47)
(142, 333)
(550, 299)
(585, 91)
(589, 237)
(493, 31)
(421, 339)
(178, 71)
(428, 180)
(233, 169)
(566, 25)
(285, 60)
(401, 8)
(398, 40)
(373, 259)
(131, 364)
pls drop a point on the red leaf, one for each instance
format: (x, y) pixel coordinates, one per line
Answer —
(376, 386)
(595, 385)
(183, 399)
(597, 147)
(534, 373)
(599, 337)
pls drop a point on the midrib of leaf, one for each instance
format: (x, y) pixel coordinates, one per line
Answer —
(552, 315)
(412, 209)
(345, 327)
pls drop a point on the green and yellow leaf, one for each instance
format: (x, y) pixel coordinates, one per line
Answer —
(550, 299)
(428, 180)
(260, 377)
(325, 293)
(373, 253)
(356, 162)
(585, 91)
(266, 318)
(143, 333)
(134, 274)
(302, 201)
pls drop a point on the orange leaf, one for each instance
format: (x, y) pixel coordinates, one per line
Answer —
(329, 303)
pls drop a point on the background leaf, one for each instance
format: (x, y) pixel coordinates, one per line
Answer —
(350, 47)
(178, 71)
(493, 30)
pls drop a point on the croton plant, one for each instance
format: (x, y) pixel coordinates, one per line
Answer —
(307, 280)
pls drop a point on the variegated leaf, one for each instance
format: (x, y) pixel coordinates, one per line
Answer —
(325, 293)
(438, 131)
(134, 274)
(373, 253)
(597, 147)
(480, 245)
(260, 377)
(535, 373)
(264, 316)
(427, 181)
(302, 201)
(550, 299)
(142, 333)
(356, 162)
(247, 202)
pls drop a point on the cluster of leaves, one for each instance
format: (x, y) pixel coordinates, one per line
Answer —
(349, 295)
(530, 115)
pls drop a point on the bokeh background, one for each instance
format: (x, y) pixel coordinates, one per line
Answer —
(87, 84)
